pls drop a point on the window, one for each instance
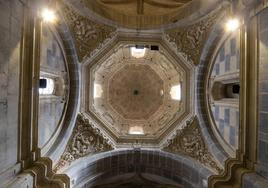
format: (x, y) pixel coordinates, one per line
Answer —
(137, 52)
(221, 90)
(236, 89)
(97, 91)
(136, 130)
(175, 92)
(46, 86)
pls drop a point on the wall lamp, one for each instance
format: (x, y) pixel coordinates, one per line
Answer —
(48, 15)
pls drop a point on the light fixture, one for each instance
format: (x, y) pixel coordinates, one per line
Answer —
(48, 15)
(136, 130)
(137, 52)
(175, 92)
(232, 24)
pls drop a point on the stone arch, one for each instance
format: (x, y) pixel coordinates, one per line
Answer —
(60, 142)
(213, 39)
(159, 166)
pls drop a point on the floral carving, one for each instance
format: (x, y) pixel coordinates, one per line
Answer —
(85, 140)
(189, 141)
(88, 35)
(189, 41)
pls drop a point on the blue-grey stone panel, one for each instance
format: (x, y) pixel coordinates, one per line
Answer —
(263, 95)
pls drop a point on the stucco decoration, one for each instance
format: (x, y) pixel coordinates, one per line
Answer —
(89, 36)
(189, 141)
(133, 99)
(190, 40)
(85, 140)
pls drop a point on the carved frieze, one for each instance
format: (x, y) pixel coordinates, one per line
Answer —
(190, 40)
(88, 35)
(85, 140)
(189, 141)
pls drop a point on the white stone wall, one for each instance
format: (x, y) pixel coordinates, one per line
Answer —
(11, 15)
(51, 107)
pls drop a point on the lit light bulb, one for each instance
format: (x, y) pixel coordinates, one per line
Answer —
(48, 15)
(232, 24)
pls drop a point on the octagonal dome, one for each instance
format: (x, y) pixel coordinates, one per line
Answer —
(136, 95)
(135, 91)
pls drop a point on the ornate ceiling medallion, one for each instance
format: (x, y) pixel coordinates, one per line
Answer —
(189, 141)
(85, 140)
(88, 35)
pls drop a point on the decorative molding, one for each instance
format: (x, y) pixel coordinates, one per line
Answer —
(85, 140)
(44, 175)
(89, 36)
(189, 41)
(189, 141)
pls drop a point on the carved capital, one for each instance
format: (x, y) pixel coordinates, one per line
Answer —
(189, 141)
(85, 140)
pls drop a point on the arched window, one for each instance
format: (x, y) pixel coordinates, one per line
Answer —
(46, 86)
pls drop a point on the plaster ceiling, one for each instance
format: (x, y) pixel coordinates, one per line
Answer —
(138, 13)
(144, 14)
(135, 91)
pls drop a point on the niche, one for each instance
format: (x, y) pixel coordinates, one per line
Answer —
(225, 90)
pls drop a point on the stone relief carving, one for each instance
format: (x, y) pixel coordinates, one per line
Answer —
(189, 41)
(89, 36)
(85, 140)
(189, 141)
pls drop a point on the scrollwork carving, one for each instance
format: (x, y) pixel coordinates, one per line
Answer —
(85, 140)
(190, 40)
(89, 36)
(189, 141)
